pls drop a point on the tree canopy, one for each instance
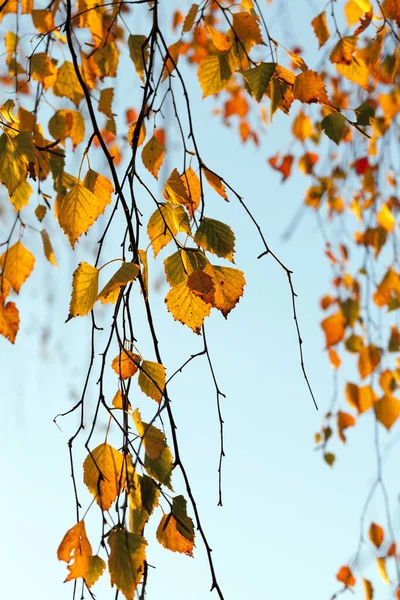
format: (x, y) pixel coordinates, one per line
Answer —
(79, 160)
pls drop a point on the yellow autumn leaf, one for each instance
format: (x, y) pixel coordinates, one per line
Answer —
(368, 359)
(164, 224)
(321, 28)
(381, 564)
(43, 20)
(333, 327)
(90, 16)
(389, 287)
(126, 364)
(357, 71)
(186, 307)
(385, 218)
(67, 84)
(9, 320)
(104, 474)
(126, 560)
(126, 273)
(171, 538)
(387, 410)
(105, 102)
(43, 69)
(75, 549)
(216, 183)
(48, 248)
(213, 74)
(85, 281)
(153, 439)
(368, 589)
(153, 156)
(360, 398)
(175, 190)
(355, 9)
(221, 41)
(67, 123)
(80, 208)
(152, 379)
(246, 28)
(17, 264)
(309, 87)
(12, 166)
(193, 190)
(171, 60)
(228, 287)
(21, 195)
(302, 127)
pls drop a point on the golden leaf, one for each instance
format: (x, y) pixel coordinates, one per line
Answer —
(153, 156)
(21, 195)
(368, 359)
(12, 166)
(302, 127)
(342, 52)
(186, 307)
(220, 40)
(228, 287)
(213, 74)
(387, 410)
(360, 398)
(43, 20)
(104, 474)
(321, 28)
(85, 281)
(67, 123)
(190, 18)
(356, 71)
(139, 53)
(175, 190)
(75, 548)
(385, 218)
(171, 59)
(246, 28)
(193, 190)
(368, 589)
(126, 364)
(17, 264)
(48, 248)
(169, 536)
(216, 183)
(80, 209)
(389, 287)
(381, 564)
(126, 273)
(333, 327)
(310, 87)
(346, 576)
(92, 18)
(126, 560)
(153, 439)
(105, 102)
(355, 9)
(165, 223)
(152, 379)
(9, 320)
(67, 83)
(344, 420)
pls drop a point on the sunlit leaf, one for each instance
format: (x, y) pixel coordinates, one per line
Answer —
(246, 28)
(381, 564)
(258, 78)
(344, 420)
(152, 379)
(48, 248)
(387, 410)
(165, 223)
(368, 589)
(333, 327)
(85, 282)
(104, 474)
(187, 307)
(17, 264)
(228, 287)
(334, 125)
(376, 534)
(95, 570)
(153, 439)
(153, 156)
(216, 183)
(67, 83)
(368, 359)
(175, 531)
(309, 87)
(126, 273)
(321, 28)
(12, 167)
(126, 364)
(67, 124)
(216, 237)
(9, 319)
(360, 398)
(344, 575)
(213, 74)
(75, 549)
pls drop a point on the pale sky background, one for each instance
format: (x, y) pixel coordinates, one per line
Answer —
(288, 521)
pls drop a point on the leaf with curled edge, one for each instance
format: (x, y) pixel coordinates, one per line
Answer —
(228, 287)
(127, 272)
(75, 549)
(104, 474)
(85, 282)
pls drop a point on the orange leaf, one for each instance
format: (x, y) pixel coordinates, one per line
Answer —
(376, 534)
(344, 575)
(387, 410)
(9, 321)
(126, 364)
(310, 87)
(344, 420)
(334, 358)
(321, 29)
(333, 327)
(75, 547)
(17, 263)
(284, 167)
(368, 359)
(360, 398)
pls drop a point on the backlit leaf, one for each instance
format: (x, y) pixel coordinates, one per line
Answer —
(216, 183)
(387, 410)
(21, 195)
(246, 28)
(368, 359)
(152, 379)
(9, 320)
(165, 223)
(216, 237)
(139, 53)
(126, 560)
(153, 439)
(344, 420)
(344, 575)
(186, 307)
(357, 71)
(95, 570)
(214, 73)
(75, 549)
(160, 468)
(376, 534)
(181, 264)
(17, 264)
(12, 166)
(302, 127)
(153, 156)
(342, 52)
(221, 41)
(104, 474)
(67, 124)
(368, 589)
(175, 531)
(228, 287)
(321, 29)
(381, 564)
(333, 327)
(126, 364)
(126, 273)
(310, 87)
(190, 18)
(360, 398)
(105, 102)
(67, 83)
(85, 281)
(258, 78)
(48, 248)
(334, 125)
(79, 210)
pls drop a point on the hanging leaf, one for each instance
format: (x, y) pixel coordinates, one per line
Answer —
(190, 18)
(368, 359)
(67, 124)
(216, 237)
(9, 320)
(152, 379)
(344, 575)
(125, 274)
(376, 534)
(360, 398)
(246, 28)
(160, 468)
(139, 53)
(334, 126)
(126, 560)
(165, 223)
(126, 364)
(48, 248)
(216, 183)
(229, 286)
(67, 83)
(321, 29)
(104, 474)
(186, 307)
(95, 570)
(12, 166)
(381, 563)
(344, 420)
(153, 439)
(153, 156)
(309, 87)
(387, 410)
(85, 282)
(75, 549)
(182, 263)
(176, 534)
(258, 78)
(17, 264)
(213, 74)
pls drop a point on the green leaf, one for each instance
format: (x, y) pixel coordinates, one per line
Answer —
(126, 560)
(334, 126)
(258, 78)
(160, 468)
(153, 439)
(329, 458)
(95, 571)
(214, 73)
(182, 263)
(216, 237)
(364, 113)
(152, 379)
(165, 223)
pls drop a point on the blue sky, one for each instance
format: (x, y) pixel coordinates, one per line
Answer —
(288, 521)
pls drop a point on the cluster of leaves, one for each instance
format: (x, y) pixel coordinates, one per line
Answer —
(72, 63)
